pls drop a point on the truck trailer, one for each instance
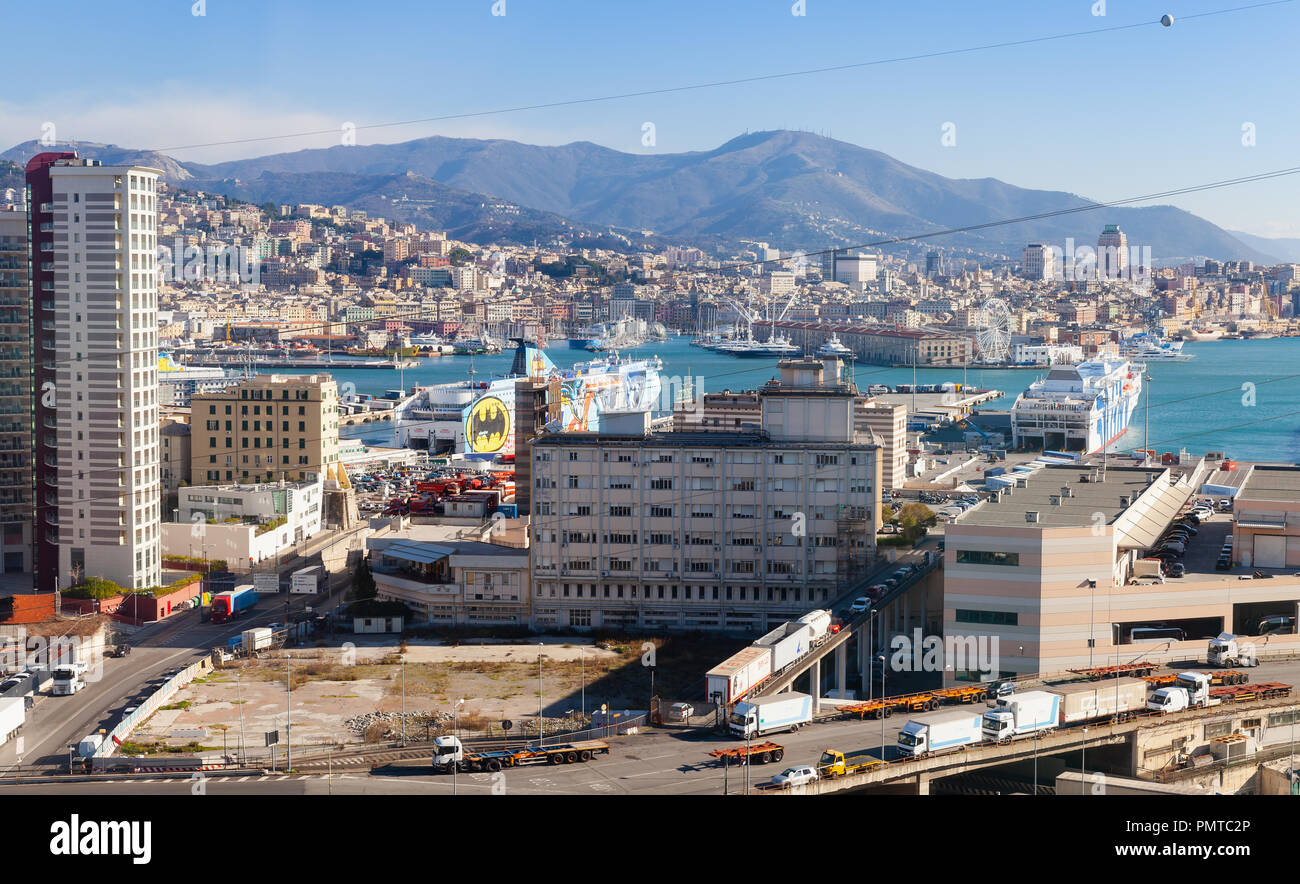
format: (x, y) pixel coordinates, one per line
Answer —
(13, 712)
(939, 731)
(739, 674)
(255, 639)
(787, 643)
(228, 605)
(449, 753)
(787, 711)
(1120, 697)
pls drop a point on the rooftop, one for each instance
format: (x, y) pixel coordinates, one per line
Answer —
(690, 439)
(1279, 483)
(1069, 496)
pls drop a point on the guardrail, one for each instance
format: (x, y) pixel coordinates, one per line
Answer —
(150, 706)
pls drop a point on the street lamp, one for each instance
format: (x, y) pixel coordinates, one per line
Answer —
(403, 658)
(881, 658)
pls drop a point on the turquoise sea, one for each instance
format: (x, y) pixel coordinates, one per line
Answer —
(1201, 404)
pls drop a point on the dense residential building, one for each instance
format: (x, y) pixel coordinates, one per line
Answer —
(705, 530)
(16, 504)
(267, 428)
(1038, 262)
(105, 381)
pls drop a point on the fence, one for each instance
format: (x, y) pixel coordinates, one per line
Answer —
(149, 707)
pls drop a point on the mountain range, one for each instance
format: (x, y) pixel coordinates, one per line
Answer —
(795, 190)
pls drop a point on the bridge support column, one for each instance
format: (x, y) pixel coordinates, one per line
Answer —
(865, 644)
(841, 667)
(815, 684)
(922, 784)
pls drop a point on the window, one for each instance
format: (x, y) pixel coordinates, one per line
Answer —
(986, 557)
(994, 618)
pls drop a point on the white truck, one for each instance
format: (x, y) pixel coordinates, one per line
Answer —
(939, 731)
(1020, 714)
(780, 712)
(820, 622)
(89, 745)
(1225, 650)
(68, 679)
(1192, 689)
(1101, 699)
(787, 643)
(13, 712)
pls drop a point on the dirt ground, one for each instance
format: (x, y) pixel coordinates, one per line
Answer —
(353, 692)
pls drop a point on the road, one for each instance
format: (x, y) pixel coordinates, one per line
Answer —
(55, 722)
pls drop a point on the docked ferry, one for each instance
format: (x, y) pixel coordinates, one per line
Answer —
(477, 419)
(1082, 407)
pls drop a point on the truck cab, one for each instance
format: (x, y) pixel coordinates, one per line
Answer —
(1226, 650)
(446, 752)
(1191, 690)
(998, 725)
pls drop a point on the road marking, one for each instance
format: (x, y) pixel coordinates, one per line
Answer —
(243, 779)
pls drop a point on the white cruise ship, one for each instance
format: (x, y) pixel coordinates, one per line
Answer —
(1080, 407)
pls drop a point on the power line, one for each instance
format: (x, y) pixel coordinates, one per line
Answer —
(759, 78)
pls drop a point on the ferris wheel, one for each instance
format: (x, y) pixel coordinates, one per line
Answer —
(993, 334)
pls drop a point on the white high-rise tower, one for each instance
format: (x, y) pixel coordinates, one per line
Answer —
(106, 380)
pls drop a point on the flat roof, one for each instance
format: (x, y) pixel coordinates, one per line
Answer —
(1269, 482)
(691, 439)
(1086, 498)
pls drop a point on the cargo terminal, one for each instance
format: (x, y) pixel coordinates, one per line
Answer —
(1050, 564)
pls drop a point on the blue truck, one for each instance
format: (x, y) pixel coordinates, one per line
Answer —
(232, 603)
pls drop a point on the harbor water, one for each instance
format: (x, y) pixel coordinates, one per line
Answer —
(1239, 397)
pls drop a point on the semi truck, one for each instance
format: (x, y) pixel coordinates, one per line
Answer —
(787, 711)
(739, 674)
(787, 643)
(232, 603)
(13, 712)
(449, 752)
(1226, 650)
(939, 731)
(1063, 705)
(822, 623)
(68, 679)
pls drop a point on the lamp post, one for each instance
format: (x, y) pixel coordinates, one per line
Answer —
(881, 658)
(239, 697)
(288, 715)
(1083, 764)
(403, 657)
(540, 726)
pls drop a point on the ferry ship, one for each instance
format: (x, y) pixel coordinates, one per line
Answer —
(477, 419)
(1147, 347)
(1082, 407)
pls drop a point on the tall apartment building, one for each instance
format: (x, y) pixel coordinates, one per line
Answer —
(1038, 262)
(705, 530)
(15, 395)
(1112, 252)
(95, 367)
(266, 428)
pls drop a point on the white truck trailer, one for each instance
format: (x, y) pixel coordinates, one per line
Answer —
(821, 622)
(256, 639)
(939, 731)
(736, 676)
(1101, 699)
(788, 642)
(780, 712)
(13, 712)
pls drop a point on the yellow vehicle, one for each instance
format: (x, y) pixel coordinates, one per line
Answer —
(834, 763)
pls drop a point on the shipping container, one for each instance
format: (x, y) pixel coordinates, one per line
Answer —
(788, 642)
(1100, 699)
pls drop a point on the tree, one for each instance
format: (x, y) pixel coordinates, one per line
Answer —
(271, 209)
(914, 518)
(458, 256)
(363, 582)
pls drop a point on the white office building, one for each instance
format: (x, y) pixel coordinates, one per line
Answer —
(105, 228)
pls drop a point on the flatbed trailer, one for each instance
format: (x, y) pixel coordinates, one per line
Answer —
(761, 753)
(564, 753)
(1136, 670)
(925, 702)
(1246, 693)
(1226, 677)
(964, 694)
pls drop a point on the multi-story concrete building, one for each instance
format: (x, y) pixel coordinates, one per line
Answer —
(1038, 262)
(15, 395)
(1112, 253)
(1048, 568)
(98, 307)
(268, 428)
(706, 530)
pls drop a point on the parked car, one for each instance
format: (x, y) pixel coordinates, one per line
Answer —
(860, 605)
(1224, 506)
(1000, 690)
(795, 776)
(1176, 569)
(1223, 564)
(680, 712)
(875, 591)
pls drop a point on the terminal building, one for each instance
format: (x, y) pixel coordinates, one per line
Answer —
(1047, 566)
(737, 530)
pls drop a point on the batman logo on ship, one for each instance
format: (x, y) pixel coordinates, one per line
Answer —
(487, 426)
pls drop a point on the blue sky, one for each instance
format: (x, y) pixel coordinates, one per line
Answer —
(1106, 115)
